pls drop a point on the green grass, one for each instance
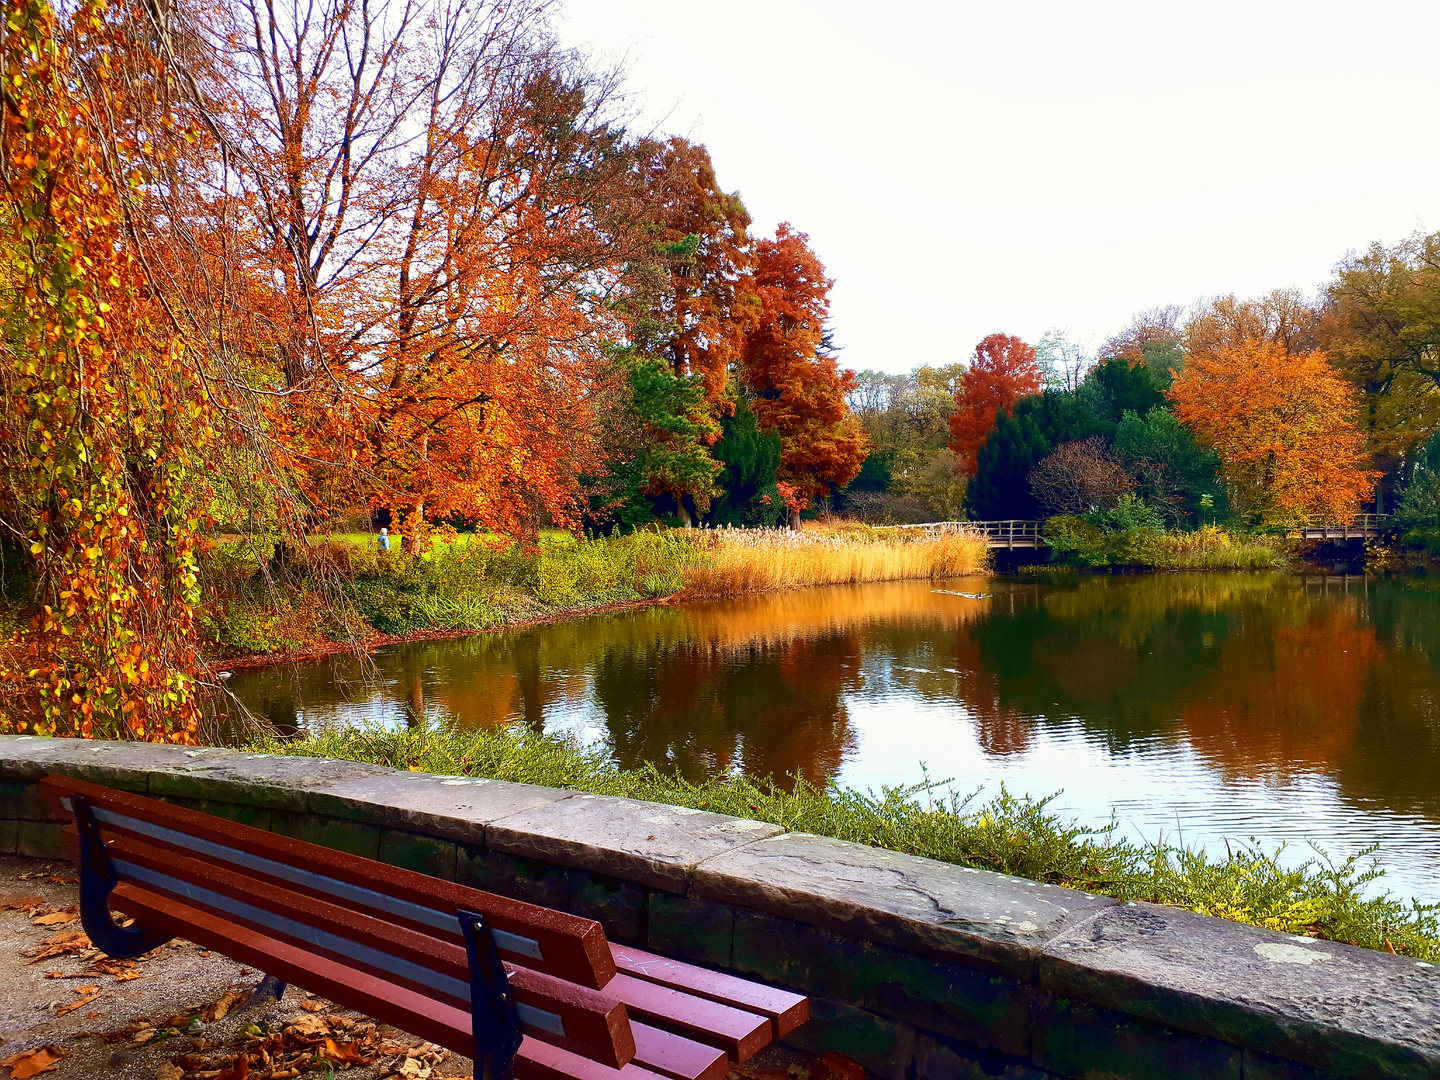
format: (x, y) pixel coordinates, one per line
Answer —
(343, 586)
(1078, 541)
(1020, 836)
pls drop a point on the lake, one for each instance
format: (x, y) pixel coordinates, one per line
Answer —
(1204, 707)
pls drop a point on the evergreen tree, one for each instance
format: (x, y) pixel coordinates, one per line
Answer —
(1001, 487)
(751, 460)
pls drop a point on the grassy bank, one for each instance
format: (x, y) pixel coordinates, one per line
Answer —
(734, 563)
(1010, 835)
(1082, 541)
(343, 589)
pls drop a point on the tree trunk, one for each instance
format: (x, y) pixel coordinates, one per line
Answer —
(685, 513)
(794, 520)
(412, 542)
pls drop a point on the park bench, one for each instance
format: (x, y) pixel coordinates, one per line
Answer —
(523, 990)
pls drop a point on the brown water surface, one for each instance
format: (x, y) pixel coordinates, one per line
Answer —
(1220, 705)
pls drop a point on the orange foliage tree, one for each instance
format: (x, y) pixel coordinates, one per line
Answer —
(1283, 427)
(799, 388)
(106, 417)
(687, 307)
(1003, 370)
(440, 206)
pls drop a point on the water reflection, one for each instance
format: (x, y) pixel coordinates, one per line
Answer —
(1242, 704)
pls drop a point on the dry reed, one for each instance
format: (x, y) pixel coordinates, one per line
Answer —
(764, 560)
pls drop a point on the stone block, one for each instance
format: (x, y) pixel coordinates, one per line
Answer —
(802, 958)
(423, 854)
(1074, 1039)
(940, 1059)
(695, 930)
(9, 837)
(964, 1003)
(275, 781)
(126, 766)
(20, 800)
(885, 1048)
(929, 907)
(1353, 1012)
(40, 839)
(648, 843)
(520, 879)
(1261, 1066)
(618, 906)
(352, 837)
(28, 757)
(455, 807)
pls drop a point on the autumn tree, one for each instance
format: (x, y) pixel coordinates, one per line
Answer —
(1080, 477)
(1283, 427)
(107, 417)
(441, 204)
(687, 303)
(1284, 318)
(1381, 329)
(799, 389)
(1003, 370)
(1153, 338)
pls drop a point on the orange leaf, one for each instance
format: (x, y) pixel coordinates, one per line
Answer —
(55, 918)
(348, 1052)
(75, 1005)
(33, 1062)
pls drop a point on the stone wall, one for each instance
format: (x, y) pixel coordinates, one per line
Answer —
(916, 968)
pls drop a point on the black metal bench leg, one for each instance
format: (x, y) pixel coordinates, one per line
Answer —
(269, 986)
(493, 1017)
(97, 880)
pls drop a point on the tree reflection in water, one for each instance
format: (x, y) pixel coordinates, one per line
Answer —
(1264, 676)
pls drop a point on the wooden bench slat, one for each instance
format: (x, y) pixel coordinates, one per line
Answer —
(415, 1013)
(677, 1057)
(740, 1034)
(448, 1025)
(586, 1018)
(786, 1011)
(570, 947)
(542, 1061)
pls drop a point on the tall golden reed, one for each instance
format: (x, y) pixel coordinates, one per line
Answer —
(750, 561)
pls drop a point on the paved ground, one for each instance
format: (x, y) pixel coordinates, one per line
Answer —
(182, 1013)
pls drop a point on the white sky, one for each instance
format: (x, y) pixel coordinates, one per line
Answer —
(965, 168)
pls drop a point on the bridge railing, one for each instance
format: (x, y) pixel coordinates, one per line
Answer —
(1018, 532)
(1362, 525)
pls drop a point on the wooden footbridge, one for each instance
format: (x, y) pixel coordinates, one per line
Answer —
(1362, 528)
(1017, 533)
(998, 534)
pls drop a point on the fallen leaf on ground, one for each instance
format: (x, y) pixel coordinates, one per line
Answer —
(86, 989)
(56, 918)
(25, 905)
(169, 1072)
(64, 1009)
(240, 1072)
(34, 1062)
(217, 1010)
(307, 1027)
(313, 1005)
(60, 945)
(348, 1052)
(62, 881)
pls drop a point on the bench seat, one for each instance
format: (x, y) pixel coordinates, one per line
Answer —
(511, 985)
